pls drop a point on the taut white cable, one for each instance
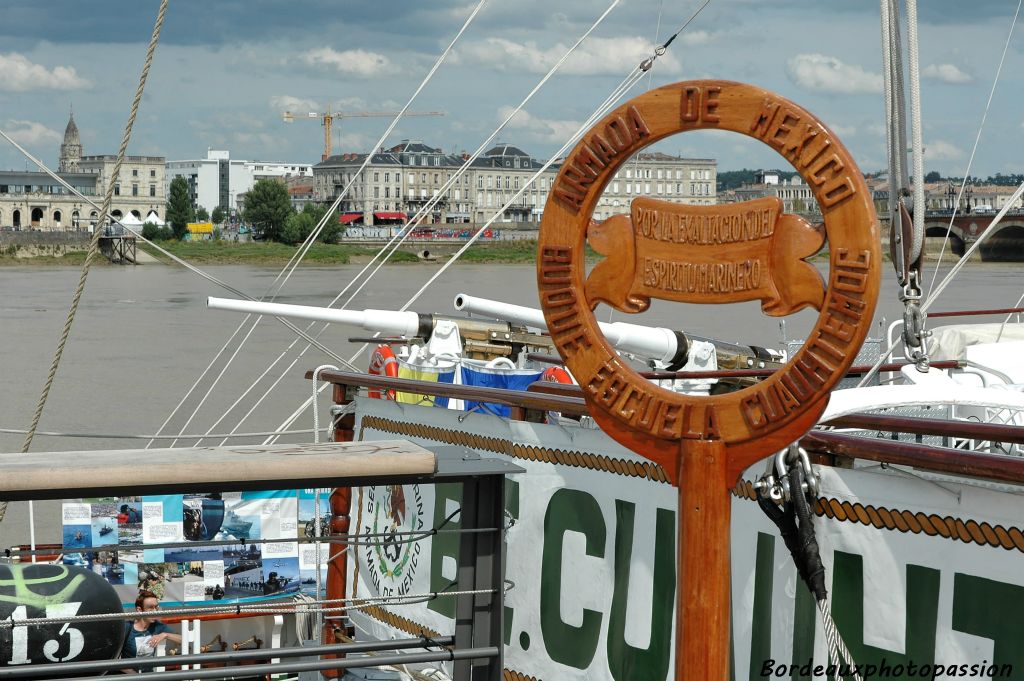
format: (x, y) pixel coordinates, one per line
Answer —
(974, 149)
(974, 247)
(296, 259)
(621, 89)
(917, 240)
(427, 207)
(617, 93)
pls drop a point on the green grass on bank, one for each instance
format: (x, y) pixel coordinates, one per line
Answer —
(274, 254)
(268, 253)
(264, 253)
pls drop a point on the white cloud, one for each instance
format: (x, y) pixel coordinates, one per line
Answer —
(940, 150)
(357, 63)
(596, 56)
(18, 74)
(843, 130)
(695, 38)
(828, 74)
(282, 103)
(544, 129)
(259, 140)
(30, 133)
(946, 73)
(876, 129)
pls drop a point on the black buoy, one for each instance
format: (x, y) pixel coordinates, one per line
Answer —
(33, 590)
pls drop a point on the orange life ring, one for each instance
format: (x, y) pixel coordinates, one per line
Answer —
(382, 363)
(556, 375)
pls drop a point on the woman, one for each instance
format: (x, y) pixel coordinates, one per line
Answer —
(143, 635)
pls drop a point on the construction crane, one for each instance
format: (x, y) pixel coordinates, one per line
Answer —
(327, 119)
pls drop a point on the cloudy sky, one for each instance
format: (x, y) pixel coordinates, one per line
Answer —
(225, 70)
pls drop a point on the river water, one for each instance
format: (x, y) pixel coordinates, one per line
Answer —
(143, 335)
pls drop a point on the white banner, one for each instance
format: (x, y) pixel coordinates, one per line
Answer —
(924, 577)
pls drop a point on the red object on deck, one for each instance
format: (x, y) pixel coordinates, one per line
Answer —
(389, 215)
(348, 218)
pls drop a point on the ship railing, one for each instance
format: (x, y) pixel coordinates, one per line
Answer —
(830, 447)
(475, 648)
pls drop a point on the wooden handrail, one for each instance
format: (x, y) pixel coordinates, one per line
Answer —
(855, 370)
(546, 396)
(971, 313)
(925, 457)
(988, 432)
(511, 398)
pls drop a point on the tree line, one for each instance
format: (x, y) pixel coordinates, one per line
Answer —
(268, 213)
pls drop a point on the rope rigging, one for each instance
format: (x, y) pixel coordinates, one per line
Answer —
(786, 493)
(94, 242)
(297, 258)
(918, 312)
(610, 101)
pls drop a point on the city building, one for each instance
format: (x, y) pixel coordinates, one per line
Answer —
(35, 201)
(396, 184)
(498, 174)
(217, 180)
(139, 189)
(71, 149)
(945, 195)
(691, 181)
(796, 195)
(400, 181)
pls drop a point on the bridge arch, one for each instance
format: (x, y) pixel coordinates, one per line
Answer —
(1005, 245)
(934, 236)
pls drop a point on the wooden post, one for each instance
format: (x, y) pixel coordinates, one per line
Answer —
(341, 510)
(702, 594)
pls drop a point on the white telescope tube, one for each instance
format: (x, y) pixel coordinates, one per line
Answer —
(388, 322)
(656, 343)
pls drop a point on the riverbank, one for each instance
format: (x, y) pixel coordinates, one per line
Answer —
(274, 254)
(270, 254)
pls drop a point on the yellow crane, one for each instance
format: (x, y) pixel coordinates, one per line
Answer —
(327, 119)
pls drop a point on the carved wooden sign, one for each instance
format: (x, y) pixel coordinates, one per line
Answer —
(706, 254)
(712, 254)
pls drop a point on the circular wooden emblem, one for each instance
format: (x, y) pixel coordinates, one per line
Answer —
(709, 254)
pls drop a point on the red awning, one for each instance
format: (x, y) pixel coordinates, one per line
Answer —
(389, 215)
(350, 217)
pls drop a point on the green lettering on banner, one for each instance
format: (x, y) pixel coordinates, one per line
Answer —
(922, 613)
(761, 617)
(444, 545)
(804, 618)
(626, 661)
(991, 609)
(569, 510)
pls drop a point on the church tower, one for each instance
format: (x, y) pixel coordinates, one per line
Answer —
(71, 150)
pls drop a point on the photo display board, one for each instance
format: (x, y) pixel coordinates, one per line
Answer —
(186, 548)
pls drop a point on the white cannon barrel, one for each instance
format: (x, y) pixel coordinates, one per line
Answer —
(656, 343)
(388, 322)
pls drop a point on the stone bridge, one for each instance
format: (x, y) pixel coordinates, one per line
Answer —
(1007, 244)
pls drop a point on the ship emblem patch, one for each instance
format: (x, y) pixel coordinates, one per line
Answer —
(393, 537)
